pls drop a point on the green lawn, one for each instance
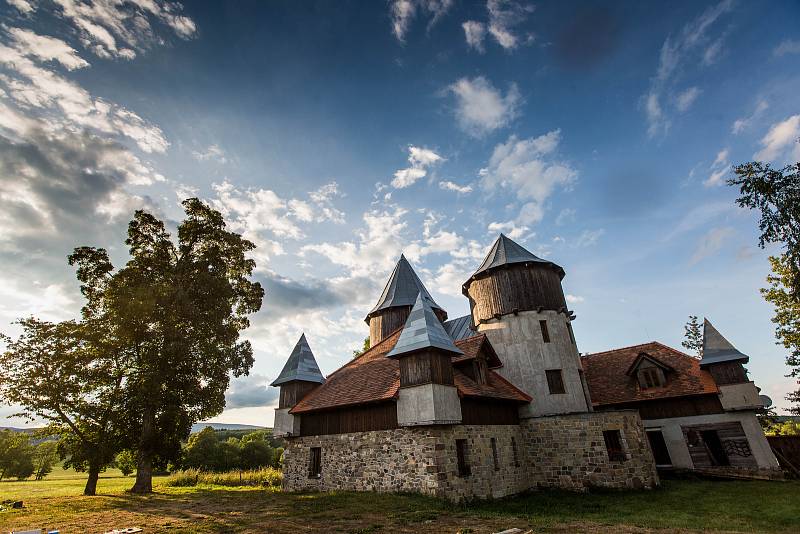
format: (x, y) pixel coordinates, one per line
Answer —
(678, 506)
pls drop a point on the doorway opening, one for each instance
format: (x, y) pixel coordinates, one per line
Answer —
(659, 448)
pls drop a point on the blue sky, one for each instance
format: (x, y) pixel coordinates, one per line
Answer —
(337, 135)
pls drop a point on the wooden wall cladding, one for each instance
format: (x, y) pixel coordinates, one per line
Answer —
(426, 367)
(734, 445)
(514, 289)
(728, 373)
(488, 412)
(378, 416)
(673, 407)
(292, 392)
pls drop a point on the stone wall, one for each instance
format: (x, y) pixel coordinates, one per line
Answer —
(561, 451)
(568, 451)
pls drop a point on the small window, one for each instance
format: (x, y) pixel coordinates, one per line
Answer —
(555, 382)
(650, 377)
(479, 369)
(613, 441)
(571, 333)
(514, 451)
(461, 456)
(494, 455)
(315, 463)
(545, 332)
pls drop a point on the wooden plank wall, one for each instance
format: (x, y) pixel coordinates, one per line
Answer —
(788, 448)
(677, 407)
(425, 368)
(378, 416)
(488, 412)
(292, 392)
(728, 373)
(734, 442)
(515, 289)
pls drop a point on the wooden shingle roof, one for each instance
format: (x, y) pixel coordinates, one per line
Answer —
(610, 383)
(372, 377)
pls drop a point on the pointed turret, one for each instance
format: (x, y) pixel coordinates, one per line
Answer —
(423, 330)
(428, 395)
(717, 349)
(394, 304)
(299, 376)
(301, 365)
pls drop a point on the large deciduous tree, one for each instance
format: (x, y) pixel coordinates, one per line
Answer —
(178, 308)
(776, 194)
(67, 374)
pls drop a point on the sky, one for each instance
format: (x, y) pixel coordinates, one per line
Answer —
(336, 135)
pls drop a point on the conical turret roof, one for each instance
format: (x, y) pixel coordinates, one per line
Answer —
(423, 330)
(506, 252)
(402, 289)
(301, 365)
(717, 349)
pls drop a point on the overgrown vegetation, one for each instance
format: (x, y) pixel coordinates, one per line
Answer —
(208, 450)
(21, 459)
(265, 477)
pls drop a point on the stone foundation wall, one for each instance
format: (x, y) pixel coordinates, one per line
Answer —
(568, 451)
(561, 451)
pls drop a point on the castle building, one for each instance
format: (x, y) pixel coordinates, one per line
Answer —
(698, 414)
(485, 405)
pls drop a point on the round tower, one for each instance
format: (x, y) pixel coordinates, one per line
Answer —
(396, 301)
(516, 299)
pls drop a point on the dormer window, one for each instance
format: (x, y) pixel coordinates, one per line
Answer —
(651, 377)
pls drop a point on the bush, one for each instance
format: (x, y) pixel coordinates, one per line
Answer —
(266, 477)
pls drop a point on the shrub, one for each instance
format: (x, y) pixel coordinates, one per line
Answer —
(266, 477)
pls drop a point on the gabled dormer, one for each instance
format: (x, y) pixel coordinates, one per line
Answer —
(479, 356)
(649, 372)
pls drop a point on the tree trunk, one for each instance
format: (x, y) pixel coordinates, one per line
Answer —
(144, 467)
(91, 482)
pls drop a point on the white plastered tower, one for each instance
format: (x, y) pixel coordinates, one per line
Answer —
(516, 299)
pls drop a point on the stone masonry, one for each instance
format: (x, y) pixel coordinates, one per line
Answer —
(560, 451)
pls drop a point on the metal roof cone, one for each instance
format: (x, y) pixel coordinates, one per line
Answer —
(506, 252)
(423, 330)
(301, 365)
(402, 289)
(717, 349)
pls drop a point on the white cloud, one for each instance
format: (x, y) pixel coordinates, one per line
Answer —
(46, 48)
(686, 98)
(452, 186)
(711, 243)
(481, 108)
(781, 137)
(565, 216)
(118, 29)
(23, 6)
(675, 54)
(403, 13)
(716, 178)
(573, 299)
(527, 168)
(420, 160)
(474, 32)
(509, 228)
(741, 124)
(213, 152)
(504, 15)
(787, 46)
(722, 158)
(589, 237)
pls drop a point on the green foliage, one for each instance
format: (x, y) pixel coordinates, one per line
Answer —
(71, 375)
(177, 308)
(693, 336)
(45, 457)
(776, 194)
(208, 452)
(264, 477)
(125, 462)
(783, 428)
(364, 348)
(15, 455)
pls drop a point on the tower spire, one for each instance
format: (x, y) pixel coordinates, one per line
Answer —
(301, 365)
(402, 289)
(423, 330)
(717, 349)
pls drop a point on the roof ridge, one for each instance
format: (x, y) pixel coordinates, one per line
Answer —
(624, 348)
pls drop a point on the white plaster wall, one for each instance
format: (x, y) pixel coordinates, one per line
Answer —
(428, 404)
(679, 452)
(739, 396)
(517, 339)
(285, 424)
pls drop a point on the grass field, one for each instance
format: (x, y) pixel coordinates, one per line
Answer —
(678, 506)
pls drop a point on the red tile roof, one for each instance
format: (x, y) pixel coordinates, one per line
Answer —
(609, 383)
(372, 377)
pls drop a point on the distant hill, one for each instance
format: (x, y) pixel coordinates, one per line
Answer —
(15, 429)
(197, 427)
